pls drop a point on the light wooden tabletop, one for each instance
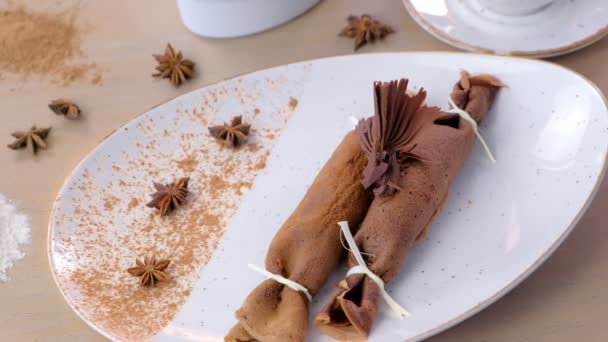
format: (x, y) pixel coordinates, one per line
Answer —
(564, 300)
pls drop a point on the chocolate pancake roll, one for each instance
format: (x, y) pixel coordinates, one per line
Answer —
(306, 249)
(413, 157)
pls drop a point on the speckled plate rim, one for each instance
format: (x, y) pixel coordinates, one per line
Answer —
(562, 50)
(439, 328)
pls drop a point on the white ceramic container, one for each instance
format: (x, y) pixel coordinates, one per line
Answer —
(234, 18)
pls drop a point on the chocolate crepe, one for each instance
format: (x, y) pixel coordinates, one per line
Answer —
(306, 249)
(408, 197)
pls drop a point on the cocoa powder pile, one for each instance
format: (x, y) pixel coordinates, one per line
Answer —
(42, 44)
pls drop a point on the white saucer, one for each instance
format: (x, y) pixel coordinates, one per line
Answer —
(562, 27)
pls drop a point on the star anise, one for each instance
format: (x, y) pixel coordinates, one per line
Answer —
(233, 134)
(150, 271)
(173, 66)
(32, 139)
(66, 108)
(170, 196)
(365, 30)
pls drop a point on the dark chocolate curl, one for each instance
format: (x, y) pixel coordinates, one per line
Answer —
(387, 137)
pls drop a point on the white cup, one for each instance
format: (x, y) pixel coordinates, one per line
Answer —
(515, 7)
(234, 18)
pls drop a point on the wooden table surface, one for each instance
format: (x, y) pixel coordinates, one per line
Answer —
(564, 300)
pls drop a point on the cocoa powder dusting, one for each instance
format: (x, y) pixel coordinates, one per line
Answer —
(261, 164)
(133, 203)
(109, 202)
(293, 102)
(112, 232)
(41, 44)
(253, 147)
(187, 165)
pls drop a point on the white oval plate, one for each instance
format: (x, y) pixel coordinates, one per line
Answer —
(562, 27)
(548, 131)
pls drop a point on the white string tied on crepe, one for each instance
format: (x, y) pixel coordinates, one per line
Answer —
(282, 280)
(362, 269)
(467, 117)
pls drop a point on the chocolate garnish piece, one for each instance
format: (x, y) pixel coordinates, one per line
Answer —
(387, 137)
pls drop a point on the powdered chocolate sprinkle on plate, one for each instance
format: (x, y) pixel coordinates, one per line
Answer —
(103, 222)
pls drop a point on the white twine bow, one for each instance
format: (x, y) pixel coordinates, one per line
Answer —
(467, 117)
(280, 279)
(362, 269)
